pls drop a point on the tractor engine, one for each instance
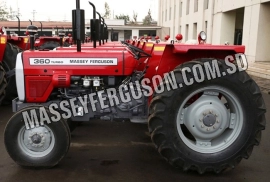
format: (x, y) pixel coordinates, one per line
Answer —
(52, 79)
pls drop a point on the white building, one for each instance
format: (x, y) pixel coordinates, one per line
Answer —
(240, 22)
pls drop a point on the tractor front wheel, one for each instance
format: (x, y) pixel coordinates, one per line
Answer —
(40, 144)
(208, 126)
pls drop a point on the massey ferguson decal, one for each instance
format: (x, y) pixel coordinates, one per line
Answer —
(73, 61)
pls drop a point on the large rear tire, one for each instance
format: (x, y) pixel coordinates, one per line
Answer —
(9, 64)
(3, 84)
(42, 146)
(208, 126)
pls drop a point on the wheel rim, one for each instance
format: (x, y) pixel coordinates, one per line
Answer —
(211, 122)
(37, 142)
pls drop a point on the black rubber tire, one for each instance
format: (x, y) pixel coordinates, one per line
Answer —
(60, 149)
(9, 63)
(72, 125)
(3, 83)
(163, 128)
(52, 45)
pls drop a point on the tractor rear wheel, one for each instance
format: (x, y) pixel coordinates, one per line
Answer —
(52, 45)
(208, 126)
(9, 64)
(43, 145)
(3, 83)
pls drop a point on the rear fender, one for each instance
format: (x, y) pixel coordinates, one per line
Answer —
(175, 55)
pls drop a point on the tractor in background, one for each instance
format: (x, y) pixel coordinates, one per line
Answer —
(8, 55)
(202, 124)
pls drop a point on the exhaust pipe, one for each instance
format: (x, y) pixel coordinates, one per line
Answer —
(93, 27)
(102, 30)
(32, 31)
(99, 33)
(78, 25)
(19, 26)
(41, 28)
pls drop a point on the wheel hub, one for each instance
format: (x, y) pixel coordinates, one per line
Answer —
(209, 120)
(206, 118)
(36, 139)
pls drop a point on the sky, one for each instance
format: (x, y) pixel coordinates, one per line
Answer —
(60, 10)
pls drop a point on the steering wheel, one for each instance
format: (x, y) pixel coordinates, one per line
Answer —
(140, 51)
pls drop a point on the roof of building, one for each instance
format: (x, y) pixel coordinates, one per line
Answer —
(48, 24)
(68, 25)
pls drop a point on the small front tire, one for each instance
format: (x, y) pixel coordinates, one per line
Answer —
(42, 146)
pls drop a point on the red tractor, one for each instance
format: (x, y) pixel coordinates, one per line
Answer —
(203, 111)
(8, 55)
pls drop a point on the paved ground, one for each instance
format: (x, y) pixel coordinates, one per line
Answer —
(105, 151)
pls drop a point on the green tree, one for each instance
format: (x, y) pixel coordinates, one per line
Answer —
(148, 18)
(107, 14)
(3, 11)
(123, 17)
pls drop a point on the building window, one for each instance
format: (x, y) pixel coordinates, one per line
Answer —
(166, 15)
(187, 32)
(162, 16)
(196, 5)
(206, 4)
(180, 9)
(170, 15)
(188, 2)
(195, 30)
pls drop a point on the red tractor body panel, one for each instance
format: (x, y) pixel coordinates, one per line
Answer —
(3, 43)
(90, 48)
(41, 67)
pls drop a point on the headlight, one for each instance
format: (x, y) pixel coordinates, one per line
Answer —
(203, 36)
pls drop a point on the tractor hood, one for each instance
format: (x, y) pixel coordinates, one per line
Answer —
(96, 62)
(47, 70)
